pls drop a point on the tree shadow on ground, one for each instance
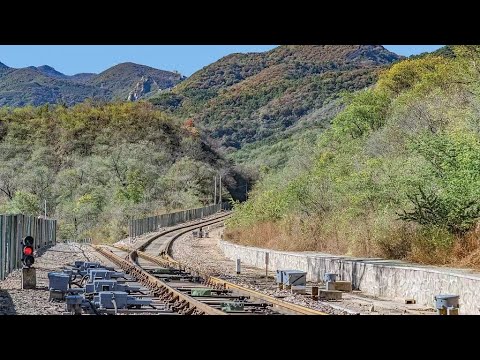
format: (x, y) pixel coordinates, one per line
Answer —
(6, 304)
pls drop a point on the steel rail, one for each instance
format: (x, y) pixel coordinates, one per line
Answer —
(165, 260)
(211, 280)
(163, 233)
(214, 281)
(167, 247)
(180, 302)
(224, 284)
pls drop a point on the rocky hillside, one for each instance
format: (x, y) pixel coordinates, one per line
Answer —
(134, 80)
(260, 97)
(43, 84)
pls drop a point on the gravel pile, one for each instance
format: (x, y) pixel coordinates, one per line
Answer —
(204, 254)
(14, 300)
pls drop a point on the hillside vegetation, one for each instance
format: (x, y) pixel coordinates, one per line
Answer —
(98, 165)
(121, 79)
(251, 101)
(397, 175)
(45, 85)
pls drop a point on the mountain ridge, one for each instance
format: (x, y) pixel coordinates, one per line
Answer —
(242, 99)
(249, 98)
(44, 84)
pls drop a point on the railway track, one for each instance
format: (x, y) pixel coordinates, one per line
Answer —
(187, 291)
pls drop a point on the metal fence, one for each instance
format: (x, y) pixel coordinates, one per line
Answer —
(138, 227)
(13, 228)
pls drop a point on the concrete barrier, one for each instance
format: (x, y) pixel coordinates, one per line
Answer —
(377, 277)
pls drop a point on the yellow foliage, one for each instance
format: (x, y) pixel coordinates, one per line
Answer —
(408, 73)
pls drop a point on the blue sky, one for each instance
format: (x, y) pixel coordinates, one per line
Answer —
(72, 59)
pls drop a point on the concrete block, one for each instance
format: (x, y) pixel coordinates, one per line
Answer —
(299, 289)
(329, 285)
(29, 278)
(452, 311)
(343, 286)
(56, 296)
(330, 294)
(441, 311)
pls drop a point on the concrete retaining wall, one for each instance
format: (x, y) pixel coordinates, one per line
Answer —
(378, 277)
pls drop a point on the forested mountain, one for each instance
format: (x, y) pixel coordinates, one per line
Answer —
(259, 102)
(98, 165)
(258, 99)
(123, 79)
(45, 85)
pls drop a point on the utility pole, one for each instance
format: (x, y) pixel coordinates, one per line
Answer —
(215, 196)
(45, 208)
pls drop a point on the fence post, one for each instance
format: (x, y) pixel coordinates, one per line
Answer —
(2, 247)
(8, 236)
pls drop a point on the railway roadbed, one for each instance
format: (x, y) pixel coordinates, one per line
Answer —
(187, 290)
(205, 255)
(14, 300)
(174, 288)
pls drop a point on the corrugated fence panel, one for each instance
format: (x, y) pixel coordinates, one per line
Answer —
(9, 243)
(139, 227)
(13, 228)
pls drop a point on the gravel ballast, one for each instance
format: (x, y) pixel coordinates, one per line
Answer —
(202, 254)
(14, 300)
(205, 255)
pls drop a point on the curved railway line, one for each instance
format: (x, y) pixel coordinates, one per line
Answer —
(187, 291)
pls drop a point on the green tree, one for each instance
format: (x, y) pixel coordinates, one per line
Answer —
(24, 203)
